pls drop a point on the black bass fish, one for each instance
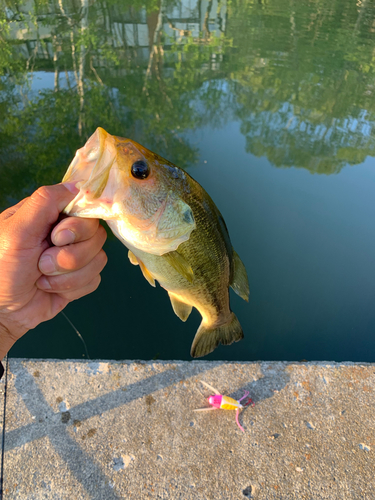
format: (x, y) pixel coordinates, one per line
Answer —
(170, 225)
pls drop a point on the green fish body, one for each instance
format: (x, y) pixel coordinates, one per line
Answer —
(170, 225)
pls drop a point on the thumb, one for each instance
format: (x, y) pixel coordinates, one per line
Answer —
(35, 218)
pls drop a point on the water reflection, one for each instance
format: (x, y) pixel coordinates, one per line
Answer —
(298, 75)
(304, 91)
(298, 78)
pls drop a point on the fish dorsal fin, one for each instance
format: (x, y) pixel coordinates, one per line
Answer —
(240, 283)
(133, 259)
(180, 264)
(181, 309)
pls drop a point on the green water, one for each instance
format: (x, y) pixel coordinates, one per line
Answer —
(268, 104)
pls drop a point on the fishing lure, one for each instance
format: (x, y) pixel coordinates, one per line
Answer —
(218, 401)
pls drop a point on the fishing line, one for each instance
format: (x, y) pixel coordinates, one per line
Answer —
(3, 433)
(79, 335)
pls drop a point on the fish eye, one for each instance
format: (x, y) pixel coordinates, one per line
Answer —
(140, 169)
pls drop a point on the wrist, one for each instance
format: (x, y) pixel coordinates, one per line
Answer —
(7, 338)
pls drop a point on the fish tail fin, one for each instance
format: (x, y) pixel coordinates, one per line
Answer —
(207, 339)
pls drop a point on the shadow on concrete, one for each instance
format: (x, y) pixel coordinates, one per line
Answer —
(273, 380)
(51, 424)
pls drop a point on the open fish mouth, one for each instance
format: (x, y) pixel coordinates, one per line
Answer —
(90, 171)
(148, 213)
(86, 160)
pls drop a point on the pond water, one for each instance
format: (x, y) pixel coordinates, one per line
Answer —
(269, 104)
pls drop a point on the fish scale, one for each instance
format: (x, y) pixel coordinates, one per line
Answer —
(170, 225)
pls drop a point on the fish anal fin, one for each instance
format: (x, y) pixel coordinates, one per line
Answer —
(181, 309)
(146, 273)
(180, 264)
(239, 283)
(207, 339)
(133, 259)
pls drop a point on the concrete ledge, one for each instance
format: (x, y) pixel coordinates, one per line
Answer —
(126, 430)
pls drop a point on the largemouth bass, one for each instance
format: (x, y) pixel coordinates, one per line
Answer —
(170, 225)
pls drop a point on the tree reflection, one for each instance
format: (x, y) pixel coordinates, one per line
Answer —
(304, 91)
(298, 75)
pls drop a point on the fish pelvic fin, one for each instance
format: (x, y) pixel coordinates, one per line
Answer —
(146, 273)
(181, 309)
(207, 339)
(240, 283)
(133, 259)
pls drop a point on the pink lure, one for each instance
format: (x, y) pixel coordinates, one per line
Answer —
(218, 401)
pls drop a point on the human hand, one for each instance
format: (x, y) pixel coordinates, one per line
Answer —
(37, 279)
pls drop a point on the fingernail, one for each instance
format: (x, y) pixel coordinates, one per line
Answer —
(46, 265)
(63, 237)
(71, 186)
(43, 283)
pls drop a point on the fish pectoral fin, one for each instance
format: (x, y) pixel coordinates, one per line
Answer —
(146, 273)
(207, 339)
(133, 259)
(240, 283)
(180, 264)
(181, 309)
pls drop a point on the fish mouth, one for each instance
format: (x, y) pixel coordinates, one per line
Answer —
(100, 170)
(90, 170)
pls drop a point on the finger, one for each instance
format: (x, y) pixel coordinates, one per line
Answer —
(85, 290)
(59, 260)
(33, 220)
(75, 280)
(74, 229)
